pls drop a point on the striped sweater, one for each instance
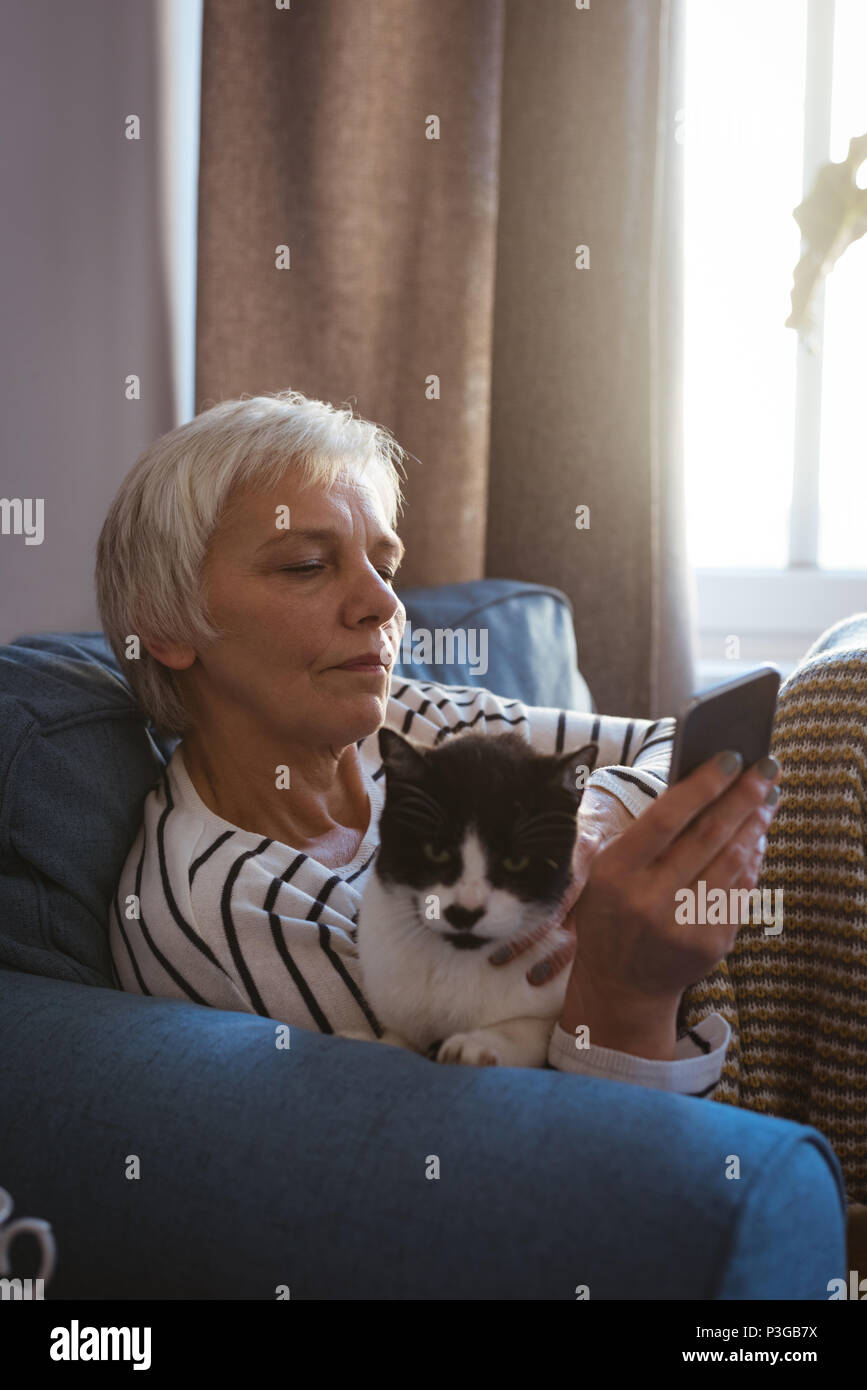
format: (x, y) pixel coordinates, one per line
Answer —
(208, 912)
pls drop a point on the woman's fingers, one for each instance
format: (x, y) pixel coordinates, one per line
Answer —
(737, 867)
(750, 875)
(741, 858)
(727, 831)
(738, 863)
(659, 826)
(556, 960)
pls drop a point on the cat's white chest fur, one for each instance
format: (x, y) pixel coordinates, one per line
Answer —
(423, 989)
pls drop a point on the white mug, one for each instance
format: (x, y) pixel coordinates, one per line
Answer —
(40, 1229)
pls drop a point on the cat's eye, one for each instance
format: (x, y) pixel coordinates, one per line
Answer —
(514, 866)
(436, 856)
(553, 863)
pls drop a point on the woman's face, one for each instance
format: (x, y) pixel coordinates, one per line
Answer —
(293, 605)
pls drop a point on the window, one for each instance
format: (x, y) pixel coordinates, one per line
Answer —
(774, 433)
(179, 32)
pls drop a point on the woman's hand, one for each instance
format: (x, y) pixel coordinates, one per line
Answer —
(633, 960)
(601, 818)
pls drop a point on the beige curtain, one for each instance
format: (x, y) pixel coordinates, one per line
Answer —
(432, 282)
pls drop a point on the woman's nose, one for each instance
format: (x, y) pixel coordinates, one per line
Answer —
(379, 600)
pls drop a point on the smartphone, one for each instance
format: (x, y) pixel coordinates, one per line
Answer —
(739, 715)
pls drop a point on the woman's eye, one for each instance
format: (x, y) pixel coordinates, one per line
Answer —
(514, 866)
(388, 575)
(436, 856)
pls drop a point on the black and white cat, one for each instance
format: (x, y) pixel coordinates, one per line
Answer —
(475, 856)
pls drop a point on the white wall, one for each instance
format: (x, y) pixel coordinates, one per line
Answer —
(96, 275)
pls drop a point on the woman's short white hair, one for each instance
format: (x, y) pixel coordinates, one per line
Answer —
(154, 539)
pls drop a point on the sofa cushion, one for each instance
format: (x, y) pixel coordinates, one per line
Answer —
(77, 759)
(524, 631)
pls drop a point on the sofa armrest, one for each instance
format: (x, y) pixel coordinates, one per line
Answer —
(352, 1170)
(847, 637)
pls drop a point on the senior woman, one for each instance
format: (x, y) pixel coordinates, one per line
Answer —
(245, 577)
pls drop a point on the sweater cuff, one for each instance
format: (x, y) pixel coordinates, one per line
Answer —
(634, 788)
(697, 1066)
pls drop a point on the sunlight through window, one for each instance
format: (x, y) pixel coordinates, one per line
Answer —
(843, 470)
(743, 149)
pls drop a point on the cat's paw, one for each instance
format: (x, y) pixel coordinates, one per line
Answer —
(469, 1049)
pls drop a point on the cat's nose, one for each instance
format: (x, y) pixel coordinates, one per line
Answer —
(463, 917)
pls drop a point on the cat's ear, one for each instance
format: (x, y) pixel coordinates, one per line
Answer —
(400, 757)
(574, 768)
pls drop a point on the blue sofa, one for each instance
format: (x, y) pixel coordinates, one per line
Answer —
(263, 1169)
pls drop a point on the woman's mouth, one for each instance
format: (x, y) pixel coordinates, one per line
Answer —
(362, 663)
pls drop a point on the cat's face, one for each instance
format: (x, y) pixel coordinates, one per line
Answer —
(480, 832)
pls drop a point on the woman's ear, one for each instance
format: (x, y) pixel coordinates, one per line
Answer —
(176, 655)
(400, 757)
